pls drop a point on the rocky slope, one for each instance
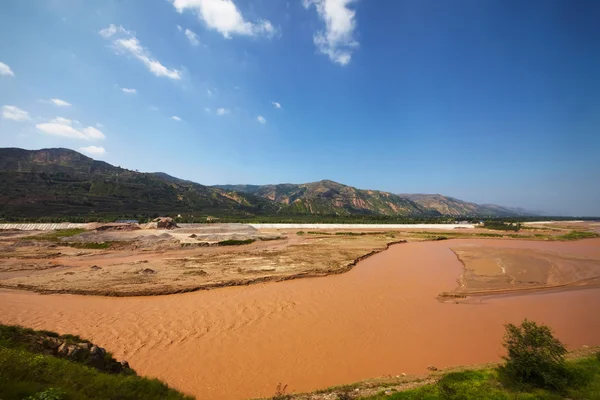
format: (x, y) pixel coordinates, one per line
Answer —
(328, 197)
(450, 206)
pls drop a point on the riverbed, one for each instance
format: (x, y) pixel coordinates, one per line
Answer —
(380, 318)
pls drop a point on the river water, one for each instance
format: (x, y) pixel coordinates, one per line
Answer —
(381, 318)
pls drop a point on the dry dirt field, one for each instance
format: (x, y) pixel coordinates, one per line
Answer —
(489, 270)
(114, 261)
(145, 262)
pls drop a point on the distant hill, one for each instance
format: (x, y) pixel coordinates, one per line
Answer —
(451, 206)
(328, 197)
(62, 182)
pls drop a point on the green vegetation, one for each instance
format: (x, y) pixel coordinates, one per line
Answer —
(23, 373)
(535, 369)
(56, 236)
(235, 242)
(576, 235)
(502, 226)
(534, 358)
(269, 238)
(435, 238)
(488, 384)
(26, 372)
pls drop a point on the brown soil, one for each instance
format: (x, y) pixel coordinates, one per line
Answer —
(158, 262)
(499, 269)
(381, 318)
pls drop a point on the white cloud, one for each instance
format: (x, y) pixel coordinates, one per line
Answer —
(112, 29)
(176, 118)
(14, 113)
(276, 104)
(179, 28)
(94, 150)
(207, 109)
(191, 35)
(60, 103)
(125, 42)
(337, 42)
(224, 17)
(128, 90)
(99, 125)
(261, 119)
(5, 70)
(93, 133)
(223, 111)
(65, 127)
(209, 92)
(61, 120)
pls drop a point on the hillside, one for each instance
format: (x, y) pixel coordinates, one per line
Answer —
(62, 182)
(65, 183)
(451, 206)
(328, 197)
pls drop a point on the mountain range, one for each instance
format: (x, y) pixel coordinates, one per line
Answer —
(63, 182)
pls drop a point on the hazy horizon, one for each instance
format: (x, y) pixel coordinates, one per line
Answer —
(488, 102)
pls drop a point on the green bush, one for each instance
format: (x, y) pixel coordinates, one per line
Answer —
(535, 358)
(50, 394)
(235, 242)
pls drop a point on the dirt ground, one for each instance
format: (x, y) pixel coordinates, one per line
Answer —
(504, 268)
(118, 261)
(163, 262)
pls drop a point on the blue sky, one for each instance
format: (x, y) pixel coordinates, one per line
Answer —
(486, 101)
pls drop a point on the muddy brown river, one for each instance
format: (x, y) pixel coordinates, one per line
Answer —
(381, 318)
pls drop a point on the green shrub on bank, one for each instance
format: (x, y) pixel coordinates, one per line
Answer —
(535, 368)
(535, 358)
(235, 242)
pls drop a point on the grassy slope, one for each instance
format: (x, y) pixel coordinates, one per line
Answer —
(485, 384)
(25, 371)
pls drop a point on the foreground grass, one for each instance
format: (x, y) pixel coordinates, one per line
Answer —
(27, 373)
(487, 384)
